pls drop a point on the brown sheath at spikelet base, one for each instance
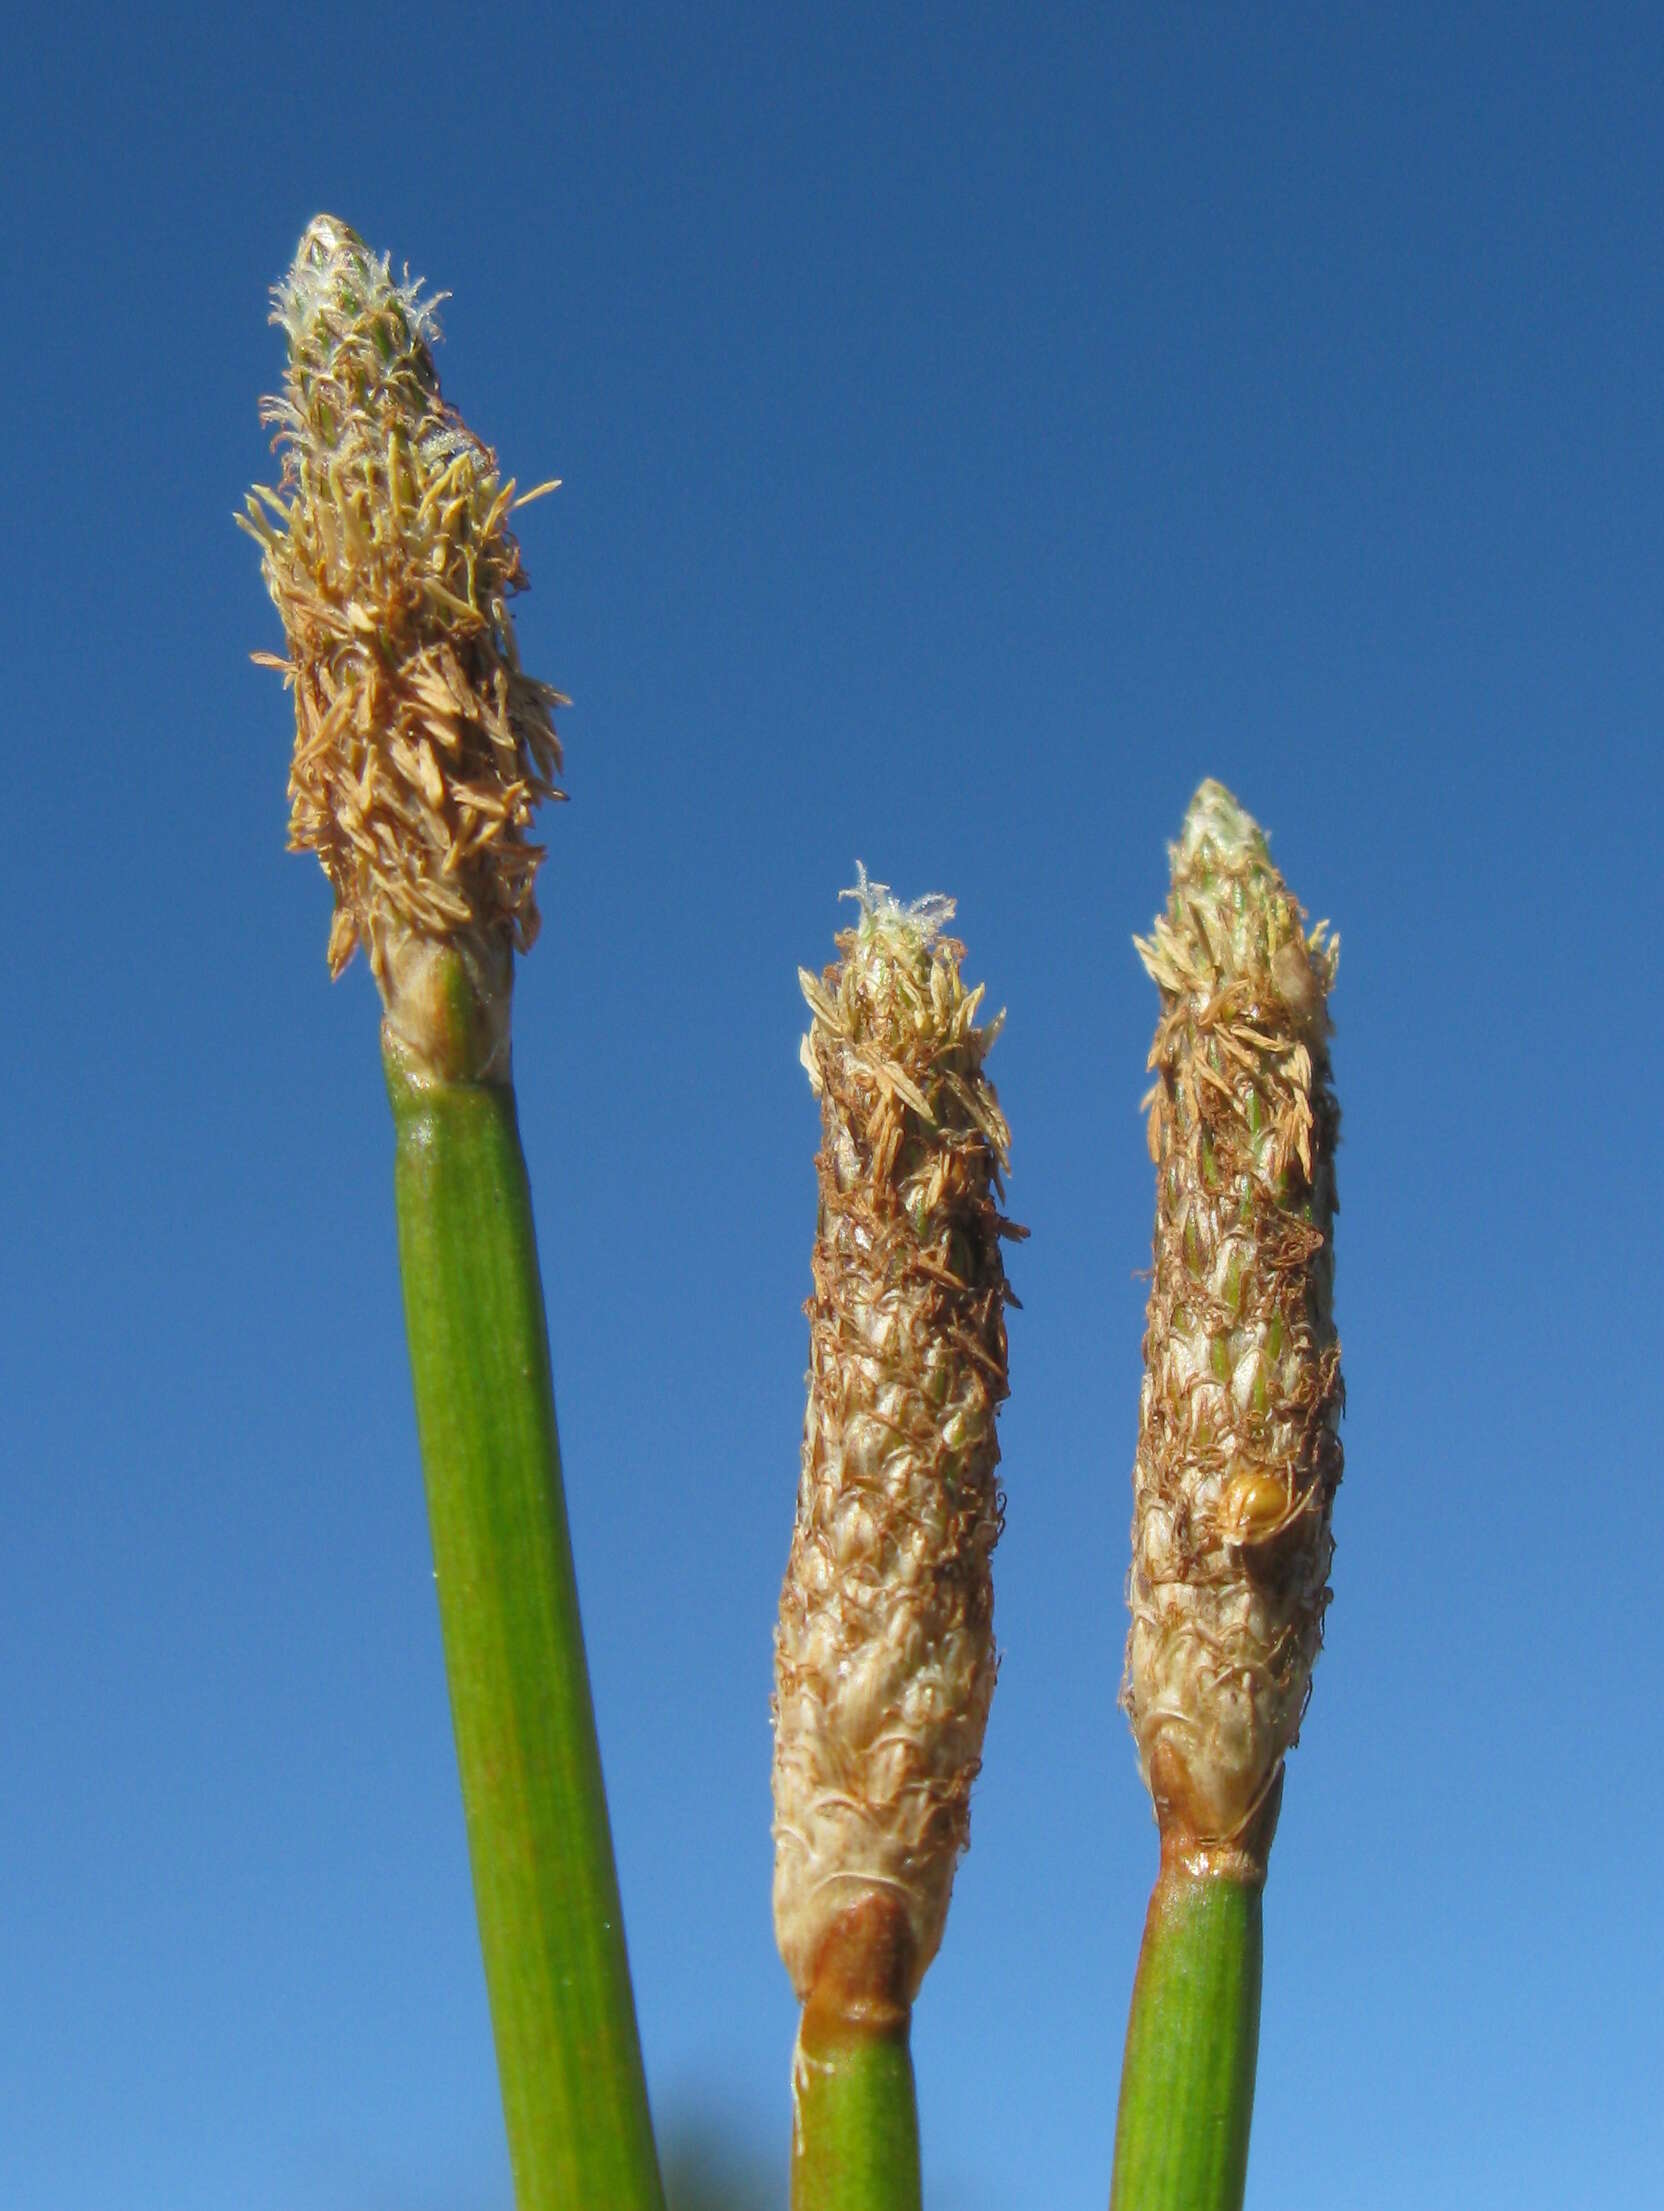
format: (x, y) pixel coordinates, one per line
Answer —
(885, 1656)
(1238, 1454)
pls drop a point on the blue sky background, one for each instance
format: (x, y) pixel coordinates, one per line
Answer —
(977, 425)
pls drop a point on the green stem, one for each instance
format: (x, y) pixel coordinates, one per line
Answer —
(1187, 2083)
(551, 1930)
(855, 2122)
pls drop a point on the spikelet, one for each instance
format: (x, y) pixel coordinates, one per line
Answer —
(1238, 1452)
(421, 747)
(884, 1660)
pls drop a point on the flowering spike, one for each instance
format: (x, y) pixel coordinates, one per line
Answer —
(1238, 1452)
(885, 1653)
(421, 746)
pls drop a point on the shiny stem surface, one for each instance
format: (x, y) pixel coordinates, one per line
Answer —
(545, 1887)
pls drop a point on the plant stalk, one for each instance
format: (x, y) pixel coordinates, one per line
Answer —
(855, 2122)
(422, 748)
(551, 1929)
(1187, 2079)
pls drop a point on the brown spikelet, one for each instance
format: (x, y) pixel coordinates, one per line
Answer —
(421, 745)
(1238, 1452)
(884, 1660)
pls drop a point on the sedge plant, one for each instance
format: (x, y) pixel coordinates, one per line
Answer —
(1238, 1460)
(421, 749)
(884, 1657)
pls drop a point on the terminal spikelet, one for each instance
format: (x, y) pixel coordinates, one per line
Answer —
(1238, 1451)
(421, 746)
(885, 1660)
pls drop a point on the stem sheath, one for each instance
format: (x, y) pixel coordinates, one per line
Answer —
(551, 1929)
(1187, 2081)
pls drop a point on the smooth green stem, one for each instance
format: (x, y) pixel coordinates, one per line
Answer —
(1187, 2082)
(580, 2138)
(855, 2121)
